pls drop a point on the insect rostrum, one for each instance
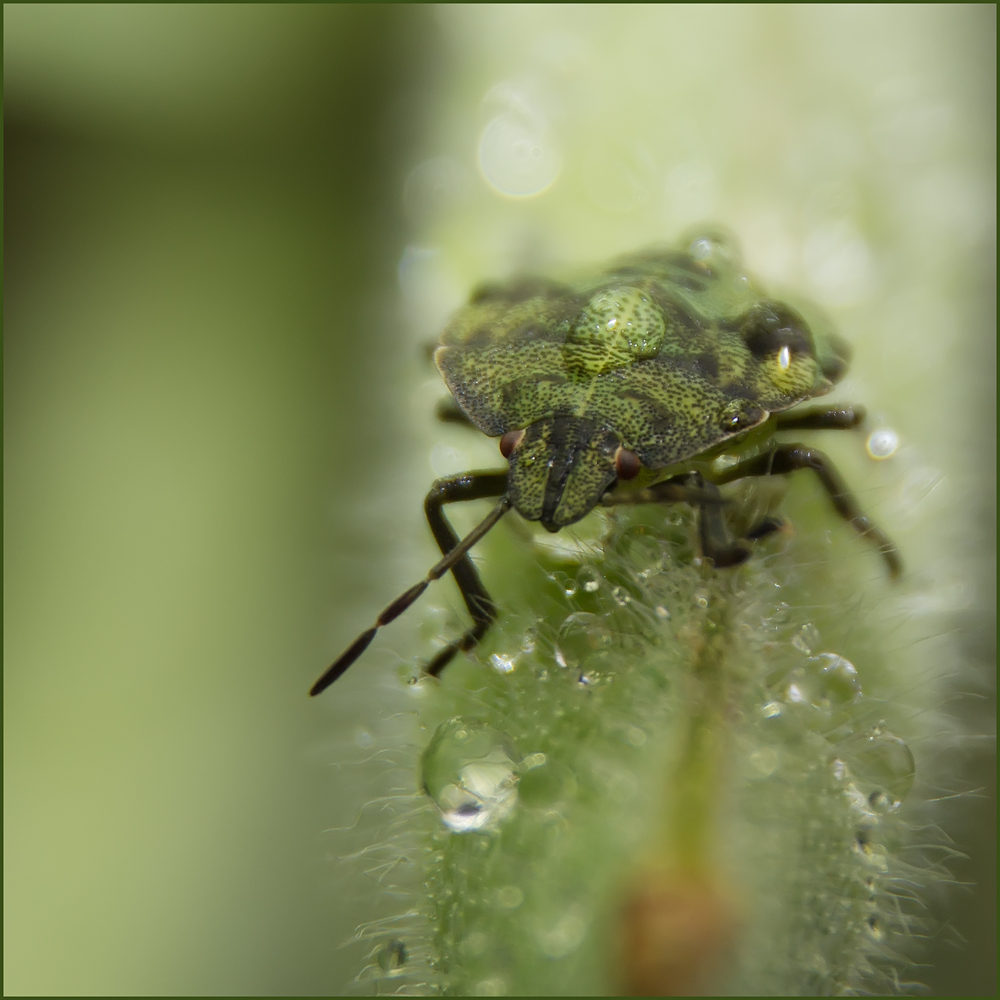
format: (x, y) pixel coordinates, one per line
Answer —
(621, 389)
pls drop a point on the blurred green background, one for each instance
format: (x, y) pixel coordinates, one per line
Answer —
(211, 477)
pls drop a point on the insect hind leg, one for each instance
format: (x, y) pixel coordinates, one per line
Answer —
(469, 486)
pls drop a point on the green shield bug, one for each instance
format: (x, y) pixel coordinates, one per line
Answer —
(622, 389)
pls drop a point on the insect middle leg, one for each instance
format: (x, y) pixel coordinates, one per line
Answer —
(792, 457)
(469, 486)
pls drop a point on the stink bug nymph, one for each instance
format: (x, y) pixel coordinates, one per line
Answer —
(621, 389)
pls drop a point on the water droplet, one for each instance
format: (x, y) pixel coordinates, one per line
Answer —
(823, 681)
(635, 736)
(661, 612)
(580, 636)
(882, 444)
(518, 155)
(569, 587)
(646, 555)
(771, 710)
(511, 648)
(503, 664)
(881, 761)
(621, 596)
(589, 579)
(469, 770)
(701, 598)
(806, 639)
(510, 897)
(392, 957)
(882, 803)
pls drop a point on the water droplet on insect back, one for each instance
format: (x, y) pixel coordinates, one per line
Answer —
(469, 769)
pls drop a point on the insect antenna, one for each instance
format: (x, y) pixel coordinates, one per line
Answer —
(401, 603)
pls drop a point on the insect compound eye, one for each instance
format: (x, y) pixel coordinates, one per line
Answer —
(627, 464)
(509, 442)
(772, 330)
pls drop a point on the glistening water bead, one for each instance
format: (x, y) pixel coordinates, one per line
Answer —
(469, 769)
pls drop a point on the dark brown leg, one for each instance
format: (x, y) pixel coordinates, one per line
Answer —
(470, 486)
(456, 559)
(792, 457)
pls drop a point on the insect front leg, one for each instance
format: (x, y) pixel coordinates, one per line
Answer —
(792, 457)
(470, 486)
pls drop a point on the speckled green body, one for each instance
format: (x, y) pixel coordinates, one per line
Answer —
(669, 353)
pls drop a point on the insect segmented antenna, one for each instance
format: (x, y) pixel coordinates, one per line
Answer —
(401, 603)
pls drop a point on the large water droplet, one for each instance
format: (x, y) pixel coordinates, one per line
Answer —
(589, 579)
(825, 681)
(646, 555)
(580, 636)
(881, 762)
(510, 648)
(469, 770)
(517, 152)
(882, 443)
